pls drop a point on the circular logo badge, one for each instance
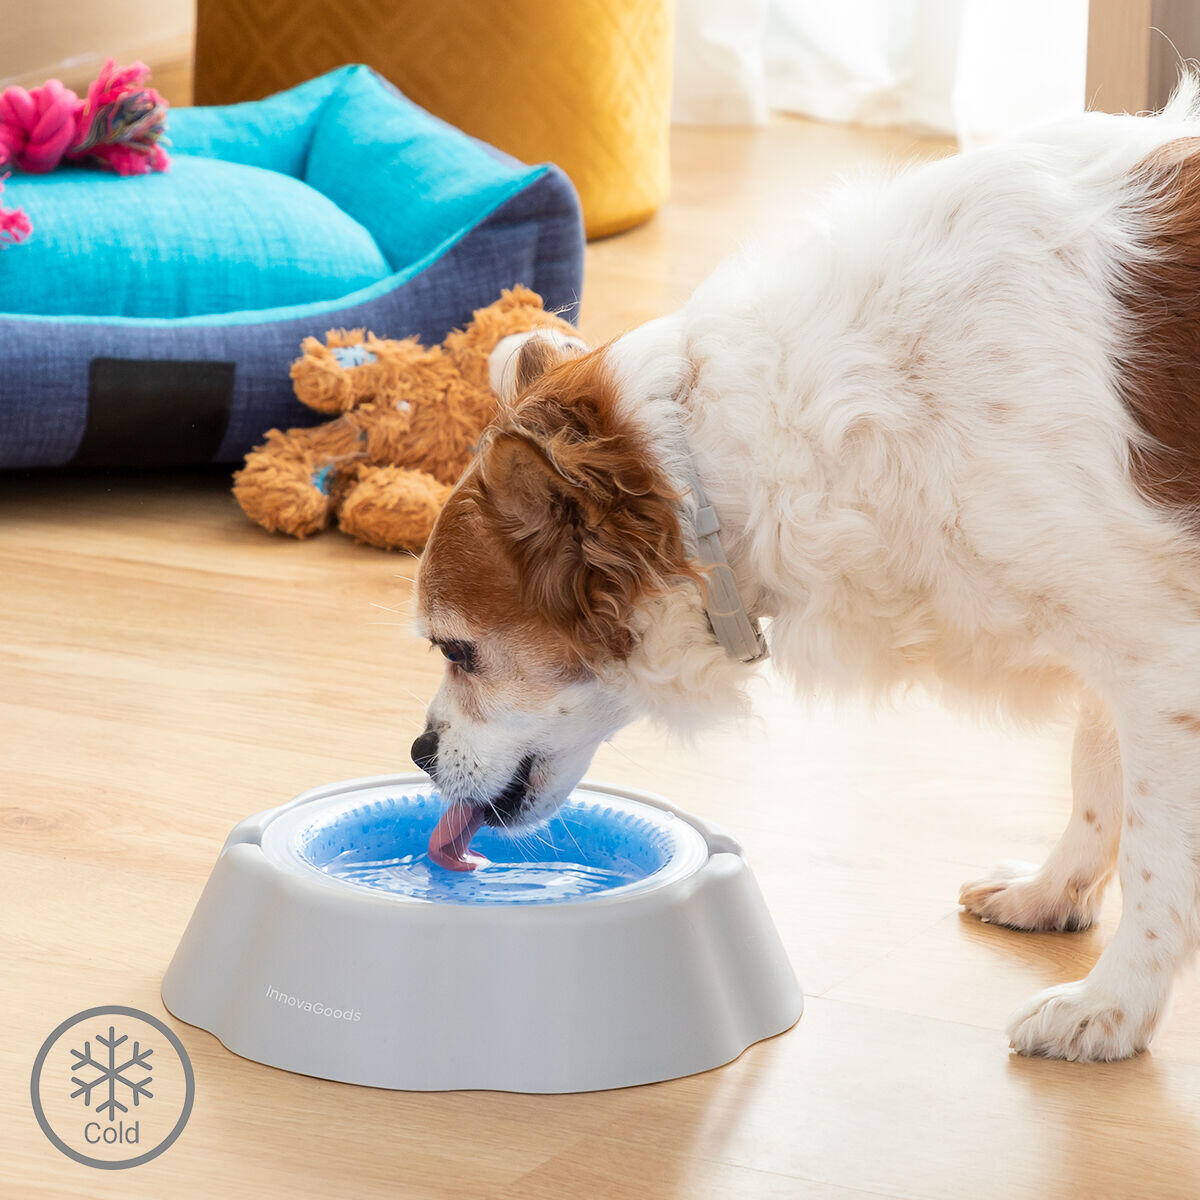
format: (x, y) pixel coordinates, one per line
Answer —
(112, 1087)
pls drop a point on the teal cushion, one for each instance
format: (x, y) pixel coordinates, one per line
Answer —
(206, 236)
(409, 178)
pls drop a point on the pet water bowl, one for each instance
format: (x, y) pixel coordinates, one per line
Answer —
(623, 942)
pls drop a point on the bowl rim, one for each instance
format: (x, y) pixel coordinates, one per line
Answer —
(709, 840)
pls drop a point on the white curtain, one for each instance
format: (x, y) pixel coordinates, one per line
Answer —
(971, 68)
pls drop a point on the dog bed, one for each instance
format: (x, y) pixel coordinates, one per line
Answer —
(152, 321)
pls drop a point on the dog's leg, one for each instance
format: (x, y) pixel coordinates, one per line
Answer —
(1113, 1012)
(1065, 893)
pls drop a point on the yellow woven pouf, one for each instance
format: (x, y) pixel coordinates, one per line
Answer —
(585, 84)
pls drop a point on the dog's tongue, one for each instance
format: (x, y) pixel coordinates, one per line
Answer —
(450, 842)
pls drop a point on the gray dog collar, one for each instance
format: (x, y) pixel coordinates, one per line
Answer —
(739, 635)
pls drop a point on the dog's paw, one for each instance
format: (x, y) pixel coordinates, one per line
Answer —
(1081, 1023)
(1020, 896)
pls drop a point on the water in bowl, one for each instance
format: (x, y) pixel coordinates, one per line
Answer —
(415, 876)
(376, 839)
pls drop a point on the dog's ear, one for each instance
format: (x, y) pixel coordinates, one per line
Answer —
(521, 359)
(590, 523)
(536, 356)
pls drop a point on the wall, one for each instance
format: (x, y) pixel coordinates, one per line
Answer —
(71, 38)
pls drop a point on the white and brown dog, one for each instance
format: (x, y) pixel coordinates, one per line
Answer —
(952, 435)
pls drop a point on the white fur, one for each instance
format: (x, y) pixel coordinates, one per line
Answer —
(907, 419)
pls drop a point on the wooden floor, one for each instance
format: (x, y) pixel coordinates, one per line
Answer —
(168, 669)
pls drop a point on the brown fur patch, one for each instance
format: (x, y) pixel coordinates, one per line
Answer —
(1160, 371)
(468, 588)
(1090, 816)
(461, 554)
(534, 359)
(586, 518)
(1186, 720)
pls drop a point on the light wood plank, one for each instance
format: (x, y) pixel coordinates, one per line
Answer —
(1118, 55)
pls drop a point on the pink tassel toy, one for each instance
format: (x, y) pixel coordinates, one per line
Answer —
(14, 224)
(122, 122)
(119, 126)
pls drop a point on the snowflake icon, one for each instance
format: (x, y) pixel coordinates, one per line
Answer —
(111, 1073)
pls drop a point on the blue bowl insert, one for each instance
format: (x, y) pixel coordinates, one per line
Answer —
(596, 846)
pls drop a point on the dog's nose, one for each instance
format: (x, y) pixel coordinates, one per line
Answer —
(424, 751)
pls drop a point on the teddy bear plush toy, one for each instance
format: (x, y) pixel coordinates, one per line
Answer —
(410, 418)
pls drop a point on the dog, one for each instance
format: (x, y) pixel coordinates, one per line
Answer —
(948, 432)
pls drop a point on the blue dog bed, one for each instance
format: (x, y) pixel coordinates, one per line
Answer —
(152, 321)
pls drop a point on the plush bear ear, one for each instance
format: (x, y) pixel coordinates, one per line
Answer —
(336, 376)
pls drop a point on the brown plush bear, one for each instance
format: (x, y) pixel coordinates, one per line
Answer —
(411, 418)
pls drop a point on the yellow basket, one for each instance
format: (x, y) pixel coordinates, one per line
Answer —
(585, 84)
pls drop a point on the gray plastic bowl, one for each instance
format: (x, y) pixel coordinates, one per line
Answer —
(296, 957)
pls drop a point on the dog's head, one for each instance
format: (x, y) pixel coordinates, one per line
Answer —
(531, 583)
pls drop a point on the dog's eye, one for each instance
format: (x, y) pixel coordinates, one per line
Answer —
(461, 654)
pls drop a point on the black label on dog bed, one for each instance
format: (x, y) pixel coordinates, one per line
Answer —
(155, 412)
